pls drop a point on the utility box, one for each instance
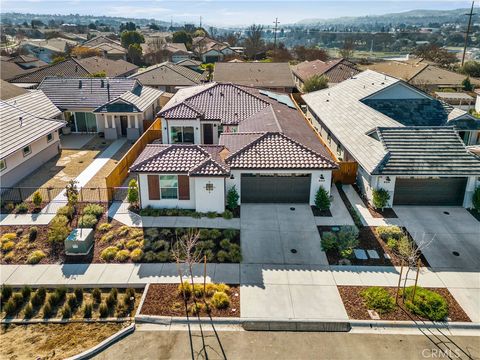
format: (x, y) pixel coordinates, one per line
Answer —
(79, 242)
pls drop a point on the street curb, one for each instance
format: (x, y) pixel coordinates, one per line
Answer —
(63, 321)
(413, 325)
(88, 354)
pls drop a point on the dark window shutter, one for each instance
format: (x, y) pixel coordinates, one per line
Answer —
(153, 187)
(183, 187)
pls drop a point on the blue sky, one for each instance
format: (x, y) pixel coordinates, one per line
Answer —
(226, 12)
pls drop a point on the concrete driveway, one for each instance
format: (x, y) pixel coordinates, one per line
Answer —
(269, 233)
(453, 229)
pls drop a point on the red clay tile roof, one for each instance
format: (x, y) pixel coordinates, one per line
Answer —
(277, 151)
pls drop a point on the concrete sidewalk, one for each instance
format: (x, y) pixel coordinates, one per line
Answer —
(340, 214)
(119, 211)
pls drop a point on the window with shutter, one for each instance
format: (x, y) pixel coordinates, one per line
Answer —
(153, 187)
(183, 187)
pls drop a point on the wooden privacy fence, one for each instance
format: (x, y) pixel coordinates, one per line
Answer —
(118, 175)
(346, 172)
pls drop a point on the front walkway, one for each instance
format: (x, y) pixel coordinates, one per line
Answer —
(119, 211)
(340, 214)
(365, 216)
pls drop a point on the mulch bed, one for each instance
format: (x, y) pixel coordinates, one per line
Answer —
(369, 240)
(387, 213)
(356, 309)
(323, 213)
(475, 213)
(32, 209)
(165, 300)
(188, 212)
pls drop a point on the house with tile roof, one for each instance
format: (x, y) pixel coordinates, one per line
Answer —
(30, 123)
(210, 50)
(335, 71)
(219, 135)
(169, 77)
(404, 140)
(115, 107)
(46, 50)
(269, 76)
(174, 52)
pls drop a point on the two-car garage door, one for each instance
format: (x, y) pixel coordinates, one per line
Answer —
(440, 191)
(275, 188)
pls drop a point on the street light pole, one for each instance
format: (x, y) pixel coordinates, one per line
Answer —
(468, 32)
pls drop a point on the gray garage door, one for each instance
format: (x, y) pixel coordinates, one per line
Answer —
(287, 188)
(442, 191)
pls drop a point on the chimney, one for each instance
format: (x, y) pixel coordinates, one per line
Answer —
(79, 84)
(108, 91)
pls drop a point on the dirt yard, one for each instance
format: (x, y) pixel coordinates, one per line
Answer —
(53, 341)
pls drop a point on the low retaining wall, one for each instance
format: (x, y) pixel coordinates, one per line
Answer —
(63, 321)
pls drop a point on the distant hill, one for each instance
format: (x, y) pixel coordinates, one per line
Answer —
(413, 17)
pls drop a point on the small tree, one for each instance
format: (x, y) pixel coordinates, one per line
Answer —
(58, 231)
(132, 196)
(71, 192)
(476, 199)
(314, 83)
(380, 198)
(322, 200)
(347, 241)
(467, 84)
(37, 199)
(232, 198)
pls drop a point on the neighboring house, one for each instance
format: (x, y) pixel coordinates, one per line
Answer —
(211, 51)
(334, 70)
(46, 50)
(191, 64)
(169, 77)
(72, 67)
(10, 70)
(403, 140)
(269, 76)
(100, 39)
(115, 107)
(27, 62)
(174, 52)
(422, 74)
(111, 51)
(29, 136)
(460, 100)
(252, 139)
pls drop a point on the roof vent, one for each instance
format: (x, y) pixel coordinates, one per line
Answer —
(79, 84)
(102, 83)
(21, 120)
(221, 94)
(76, 68)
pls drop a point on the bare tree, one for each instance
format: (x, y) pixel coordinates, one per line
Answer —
(200, 47)
(347, 49)
(232, 38)
(157, 51)
(254, 43)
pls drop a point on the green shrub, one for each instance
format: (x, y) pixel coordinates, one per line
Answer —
(232, 198)
(380, 198)
(103, 310)
(66, 211)
(109, 253)
(6, 292)
(10, 207)
(53, 299)
(389, 232)
(26, 292)
(107, 238)
(17, 299)
(8, 246)
(322, 200)
(61, 292)
(21, 208)
(225, 244)
(104, 227)
(132, 195)
(47, 310)
(72, 301)
(427, 304)
(204, 234)
(136, 255)
(230, 234)
(10, 308)
(196, 215)
(9, 257)
(329, 241)
(196, 308)
(97, 295)
(220, 300)
(122, 231)
(198, 290)
(132, 244)
(476, 199)
(66, 311)
(111, 301)
(32, 233)
(392, 243)
(129, 297)
(35, 257)
(114, 293)
(211, 214)
(38, 297)
(78, 294)
(185, 289)
(87, 310)
(314, 83)
(405, 248)
(347, 240)
(87, 221)
(160, 245)
(378, 299)
(163, 256)
(58, 230)
(122, 255)
(234, 254)
(93, 209)
(37, 199)
(28, 311)
(227, 215)
(150, 256)
(8, 237)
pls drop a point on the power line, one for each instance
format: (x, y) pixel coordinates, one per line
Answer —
(470, 15)
(30, 114)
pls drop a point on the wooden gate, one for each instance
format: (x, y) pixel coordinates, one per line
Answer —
(346, 172)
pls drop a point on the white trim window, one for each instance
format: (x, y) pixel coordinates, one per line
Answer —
(27, 150)
(182, 135)
(49, 137)
(168, 187)
(3, 164)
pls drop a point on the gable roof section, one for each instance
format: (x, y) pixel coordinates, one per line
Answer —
(10, 70)
(8, 90)
(140, 100)
(336, 70)
(434, 75)
(110, 48)
(194, 160)
(277, 151)
(35, 111)
(425, 151)
(169, 74)
(112, 68)
(100, 39)
(255, 74)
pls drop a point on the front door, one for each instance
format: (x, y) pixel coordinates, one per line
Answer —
(124, 124)
(207, 133)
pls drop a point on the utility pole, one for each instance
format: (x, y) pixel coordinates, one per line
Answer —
(200, 22)
(468, 32)
(275, 36)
